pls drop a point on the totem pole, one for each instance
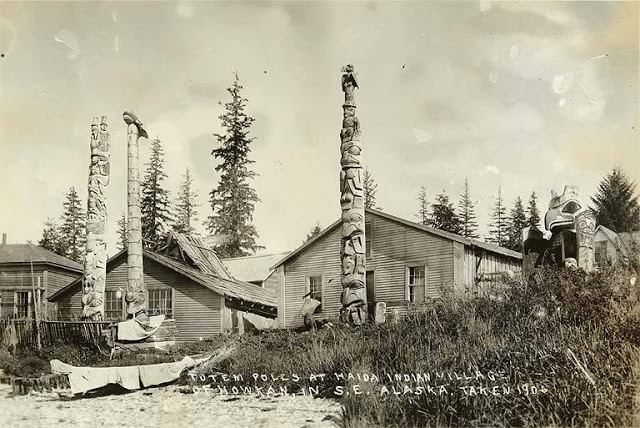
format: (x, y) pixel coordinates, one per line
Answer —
(352, 249)
(567, 237)
(95, 261)
(136, 294)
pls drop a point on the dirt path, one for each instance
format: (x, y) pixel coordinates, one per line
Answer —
(167, 407)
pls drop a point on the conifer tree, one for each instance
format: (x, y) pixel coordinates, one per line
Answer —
(532, 210)
(498, 229)
(370, 189)
(51, 239)
(313, 232)
(72, 228)
(443, 215)
(123, 241)
(233, 200)
(466, 213)
(615, 203)
(186, 205)
(517, 221)
(423, 207)
(154, 205)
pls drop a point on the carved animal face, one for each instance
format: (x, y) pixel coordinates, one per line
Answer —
(564, 208)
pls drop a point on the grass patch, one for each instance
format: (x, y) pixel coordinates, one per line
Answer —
(561, 349)
(516, 341)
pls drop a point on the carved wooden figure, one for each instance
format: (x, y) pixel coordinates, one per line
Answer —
(352, 250)
(95, 262)
(136, 296)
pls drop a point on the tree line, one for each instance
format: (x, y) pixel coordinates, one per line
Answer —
(614, 205)
(232, 200)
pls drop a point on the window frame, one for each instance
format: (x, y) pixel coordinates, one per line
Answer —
(16, 306)
(171, 296)
(308, 290)
(119, 303)
(408, 287)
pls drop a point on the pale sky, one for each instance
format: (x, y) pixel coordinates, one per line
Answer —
(527, 96)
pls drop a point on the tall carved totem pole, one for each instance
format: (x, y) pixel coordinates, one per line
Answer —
(352, 249)
(95, 261)
(135, 297)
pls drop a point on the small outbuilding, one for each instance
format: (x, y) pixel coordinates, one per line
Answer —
(255, 269)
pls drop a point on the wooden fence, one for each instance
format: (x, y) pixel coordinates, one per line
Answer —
(22, 332)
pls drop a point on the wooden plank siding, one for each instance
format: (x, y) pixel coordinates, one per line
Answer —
(196, 309)
(48, 279)
(394, 247)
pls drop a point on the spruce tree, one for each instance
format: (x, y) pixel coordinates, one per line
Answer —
(123, 240)
(370, 189)
(498, 229)
(615, 204)
(517, 221)
(423, 206)
(466, 214)
(313, 232)
(233, 200)
(443, 215)
(51, 239)
(72, 228)
(532, 210)
(154, 205)
(186, 204)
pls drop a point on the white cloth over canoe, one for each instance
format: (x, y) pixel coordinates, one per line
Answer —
(134, 330)
(83, 379)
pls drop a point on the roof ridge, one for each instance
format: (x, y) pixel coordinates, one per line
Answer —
(256, 255)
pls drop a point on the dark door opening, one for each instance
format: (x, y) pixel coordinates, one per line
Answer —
(371, 293)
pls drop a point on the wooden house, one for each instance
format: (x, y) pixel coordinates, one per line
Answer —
(184, 281)
(255, 269)
(27, 267)
(612, 249)
(407, 263)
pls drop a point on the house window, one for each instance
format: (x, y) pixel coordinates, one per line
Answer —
(416, 283)
(315, 290)
(160, 301)
(112, 306)
(368, 234)
(22, 304)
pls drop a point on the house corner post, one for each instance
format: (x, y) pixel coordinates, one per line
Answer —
(136, 296)
(95, 261)
(352, 248)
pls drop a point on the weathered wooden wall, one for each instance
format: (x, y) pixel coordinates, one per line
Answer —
(196, 309)
(18, 278)
(393, 248)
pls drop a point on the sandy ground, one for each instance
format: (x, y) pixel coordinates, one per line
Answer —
(166, 407)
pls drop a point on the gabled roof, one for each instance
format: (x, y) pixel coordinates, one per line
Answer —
(252, 268)
(202, 255)
(259, 299)
(610, 234)
(26, 253)
(448, 235)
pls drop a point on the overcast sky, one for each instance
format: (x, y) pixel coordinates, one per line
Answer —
(527, 96)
